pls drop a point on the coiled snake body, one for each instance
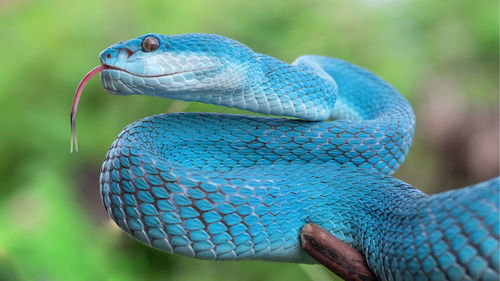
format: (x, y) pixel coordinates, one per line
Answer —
(220, 186)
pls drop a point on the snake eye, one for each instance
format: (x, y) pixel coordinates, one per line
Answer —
(150, 43)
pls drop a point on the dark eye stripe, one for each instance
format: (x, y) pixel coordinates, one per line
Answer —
(150, 43)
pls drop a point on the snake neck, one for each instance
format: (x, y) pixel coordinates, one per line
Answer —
(266, 85)
(303, 91)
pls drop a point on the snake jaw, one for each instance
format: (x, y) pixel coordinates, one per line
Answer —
(158, 75)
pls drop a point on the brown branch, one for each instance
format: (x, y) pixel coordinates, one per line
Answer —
(335, 255)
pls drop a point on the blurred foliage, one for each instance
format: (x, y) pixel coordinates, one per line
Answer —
(53, 225)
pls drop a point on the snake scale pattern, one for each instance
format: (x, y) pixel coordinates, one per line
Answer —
(221, 186)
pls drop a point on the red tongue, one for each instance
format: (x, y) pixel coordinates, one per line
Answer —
(76, 98)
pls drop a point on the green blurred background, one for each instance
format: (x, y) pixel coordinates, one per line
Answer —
(442, 55)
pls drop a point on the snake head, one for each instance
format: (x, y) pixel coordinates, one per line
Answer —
(192, 67)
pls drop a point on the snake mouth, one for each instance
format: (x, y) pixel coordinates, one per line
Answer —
(110, 67)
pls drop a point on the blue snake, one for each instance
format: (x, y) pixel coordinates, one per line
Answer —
(223, 187)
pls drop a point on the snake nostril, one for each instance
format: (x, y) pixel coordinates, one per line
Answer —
(129, 52)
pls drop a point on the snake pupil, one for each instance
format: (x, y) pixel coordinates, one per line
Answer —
(150, 43)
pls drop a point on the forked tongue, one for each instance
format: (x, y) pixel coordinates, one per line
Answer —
(76, 98)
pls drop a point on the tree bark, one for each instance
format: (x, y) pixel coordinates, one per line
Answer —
(335, 255)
